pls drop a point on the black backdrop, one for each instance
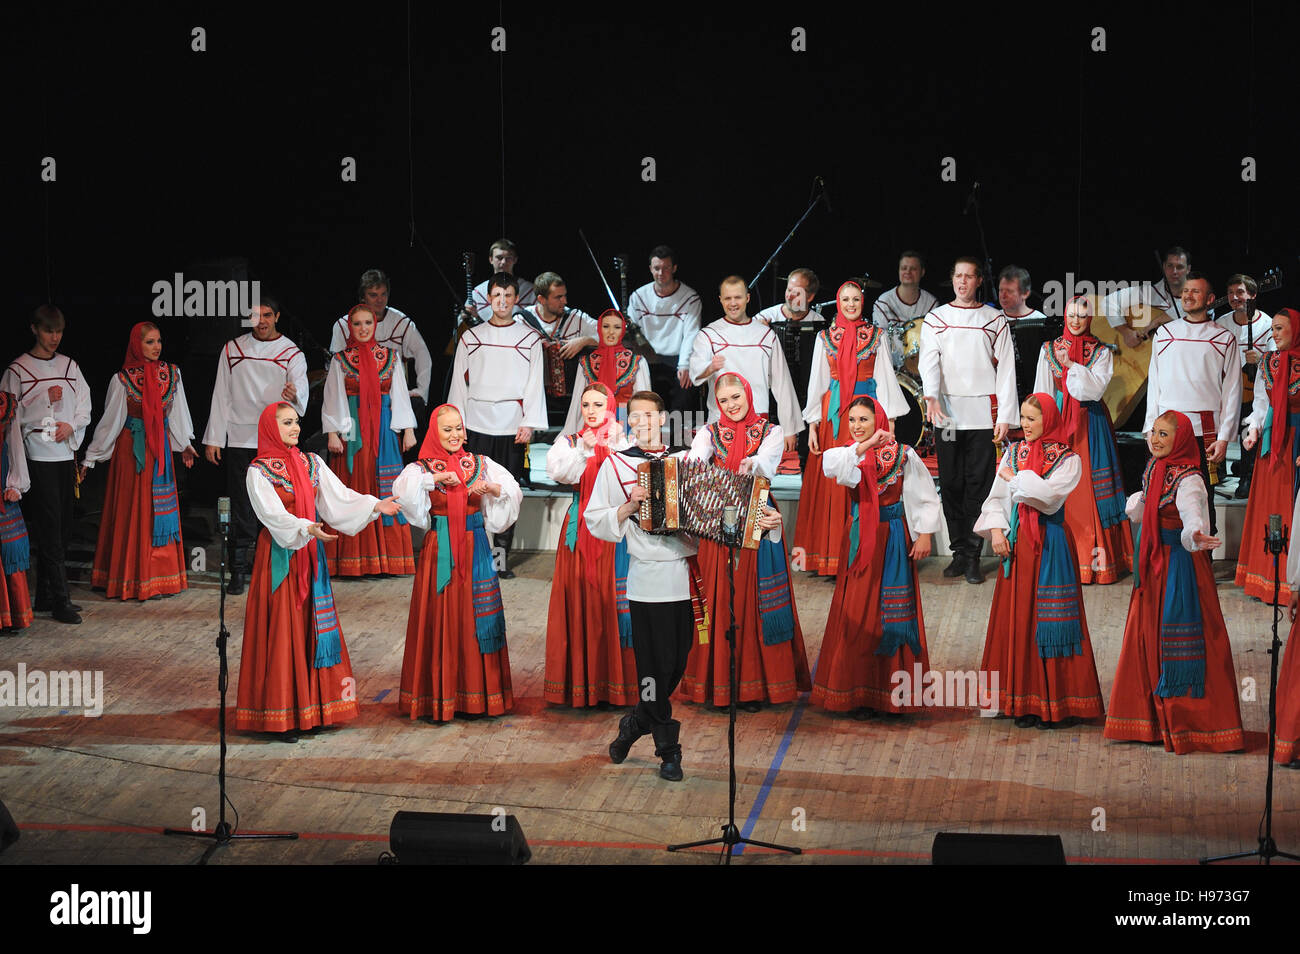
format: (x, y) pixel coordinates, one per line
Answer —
(166, 157)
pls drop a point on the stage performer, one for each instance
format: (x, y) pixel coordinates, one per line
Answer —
(1037, 645)
(140, 554)
(1254, 336)
(736, 343)
(1273, 425)
(393, 328)
(796, 325)
(589, 657)
(619, 368)
(1195, 369)
(1164, 297)
(253, 371)
(1076, 369)
(665, 605)
(53, 413)
(15, 551)
(1014, 288)
(771, 664)
(503, 255)
(294, 671)
(497, 378)
(968, 374)
(565, 333)
(1175, 682)
(875, 627)
(823, 506)
(1287, 749)
(366, 407)
(456, 660)
(668, 313)
(903, 304)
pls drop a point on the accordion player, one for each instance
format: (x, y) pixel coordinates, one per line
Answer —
(690, 496)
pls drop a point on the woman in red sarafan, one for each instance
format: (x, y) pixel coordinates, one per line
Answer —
(366, 405)
(619, 368)
(1274, 424)
(875, 627)
(15, 550)
(771, 664)
(140, 553)
(1175, 682)
(839, 374)
(456, 659)
(1287, 751)
(1037, 645)
(294, 671)
(1076, 369)
(589, 658)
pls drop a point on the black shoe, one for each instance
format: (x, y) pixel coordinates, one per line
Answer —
(669, 751)
(290, 736)
(66, 614)
(44, 607)
(973, 572)
(670, 769)
(629, 730)
(1243, 488)
(958, 565)
(236, 584)
(864, 713)
(752, 706)
(1027, 721)
(506, 575)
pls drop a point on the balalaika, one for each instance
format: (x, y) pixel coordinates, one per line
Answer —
(689, 496)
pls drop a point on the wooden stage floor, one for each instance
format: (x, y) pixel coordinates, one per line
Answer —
(97, 789)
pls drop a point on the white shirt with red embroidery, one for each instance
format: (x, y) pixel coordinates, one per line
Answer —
(966, 357)
(527, 296)
(1195, 366)
(30, 379)
(496, 379)
(670, 323)
(891, 309)
(656, 571)
(396, 330)
(753, 351)
(574, 323)
(250, 375)
(1116, 305)
(1257, 334)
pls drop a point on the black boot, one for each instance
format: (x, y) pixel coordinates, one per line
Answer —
(669, 751)
(629, 730)
(958, 565)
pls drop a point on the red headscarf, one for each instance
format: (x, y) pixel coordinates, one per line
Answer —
(1069, 404)
(608, 354)
(370, 398)
(271, 447)
(736, 452)
(1279, 447)
(1030, 529)
(869, 493)
(1187, 453)
(155, 425)
(846, 360)
(605, 431)
(457, 494)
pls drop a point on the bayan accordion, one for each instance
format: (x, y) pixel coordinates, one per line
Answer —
(689, 496)
(554, 369)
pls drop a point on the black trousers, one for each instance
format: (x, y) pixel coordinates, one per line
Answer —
(47, 509)
(967, 466)
(662, 635)
(244, 525)
(1245, 465)
(663, 378)
(502, 449)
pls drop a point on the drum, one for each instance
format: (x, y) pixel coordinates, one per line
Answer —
(911, 428)
(912, 346)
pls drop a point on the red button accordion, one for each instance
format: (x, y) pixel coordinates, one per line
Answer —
(689, 496)
(557, 384)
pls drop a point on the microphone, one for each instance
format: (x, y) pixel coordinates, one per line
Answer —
(1273, 537)
(826, 194)
(970, 199)
(729, 521)
(1251, 310)
(223, 512)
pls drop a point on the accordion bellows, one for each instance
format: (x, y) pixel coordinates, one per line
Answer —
(689, 496)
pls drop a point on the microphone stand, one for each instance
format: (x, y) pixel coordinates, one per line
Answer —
(820, 188)
(1274, 539)
(223, 834)
(730, 833)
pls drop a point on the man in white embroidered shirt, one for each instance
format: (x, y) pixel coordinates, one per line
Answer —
(392, 328)
(969, 381)
(668, 313)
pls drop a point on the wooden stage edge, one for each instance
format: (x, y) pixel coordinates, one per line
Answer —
(98, 788)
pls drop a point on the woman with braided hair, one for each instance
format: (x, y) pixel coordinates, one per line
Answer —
(455, 659)
(875, 627)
